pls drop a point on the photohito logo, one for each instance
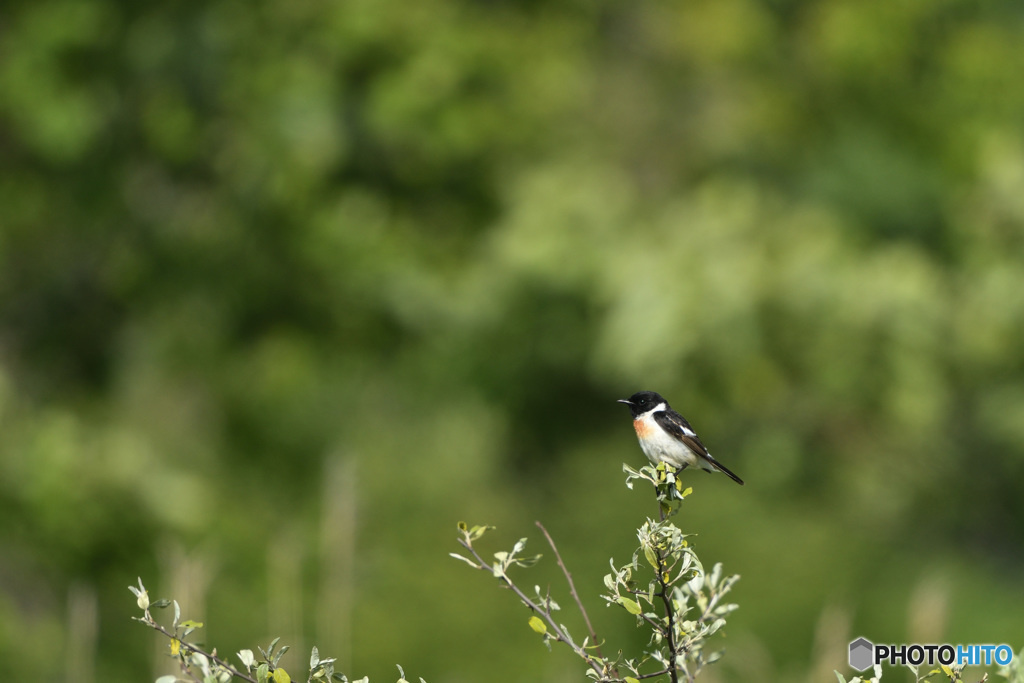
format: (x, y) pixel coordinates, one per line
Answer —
(864, 654)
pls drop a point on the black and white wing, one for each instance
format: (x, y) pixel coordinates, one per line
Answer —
(677, 426)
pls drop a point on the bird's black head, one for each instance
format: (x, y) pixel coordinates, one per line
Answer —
(642, 401)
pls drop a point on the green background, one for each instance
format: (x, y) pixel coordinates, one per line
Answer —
(288, 288)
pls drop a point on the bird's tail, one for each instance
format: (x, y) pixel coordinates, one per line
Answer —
(719, 466)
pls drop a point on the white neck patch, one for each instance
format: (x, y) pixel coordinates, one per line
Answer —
(658, 408)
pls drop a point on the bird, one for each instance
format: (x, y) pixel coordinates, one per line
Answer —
(666, 436)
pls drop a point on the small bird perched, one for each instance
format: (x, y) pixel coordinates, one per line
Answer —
(666, 436)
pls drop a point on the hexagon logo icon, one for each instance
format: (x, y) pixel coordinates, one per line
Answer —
(862, 654)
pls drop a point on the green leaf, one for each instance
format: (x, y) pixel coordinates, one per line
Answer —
(167, 679)
(839, 676)
(468, 561)
(281, 676)
(314, 658)
(630, 679)
(141, 596)
(538, 625)
(190, 626)
(202, 661)
(632, 606)
(651, 556)
(527, 561)
(160, 604)
(263, 673)
(247, 658)
(716, 575)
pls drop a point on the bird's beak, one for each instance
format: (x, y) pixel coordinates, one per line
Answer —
(625, 400)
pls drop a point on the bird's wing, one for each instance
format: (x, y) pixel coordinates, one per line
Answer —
(677, 426)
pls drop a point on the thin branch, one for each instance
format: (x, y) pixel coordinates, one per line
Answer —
(670, 635)
(572, 591)
(148, 620)
(638, 676)
(659, 627)
(187, 671)
(559, 634)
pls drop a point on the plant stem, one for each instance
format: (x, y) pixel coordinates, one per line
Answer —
(189, 647)
(572, 591)
(559, 634)
(670, 635)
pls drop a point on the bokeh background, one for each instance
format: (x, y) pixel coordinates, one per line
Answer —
(289, 288)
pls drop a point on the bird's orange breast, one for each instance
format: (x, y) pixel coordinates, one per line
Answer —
(643, 428)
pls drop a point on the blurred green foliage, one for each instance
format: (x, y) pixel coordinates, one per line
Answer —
(286, 288)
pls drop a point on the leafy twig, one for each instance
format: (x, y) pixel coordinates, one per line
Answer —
(178, 643)
(213, 669)
(550, 628)
(679, 586)
(148, 620)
